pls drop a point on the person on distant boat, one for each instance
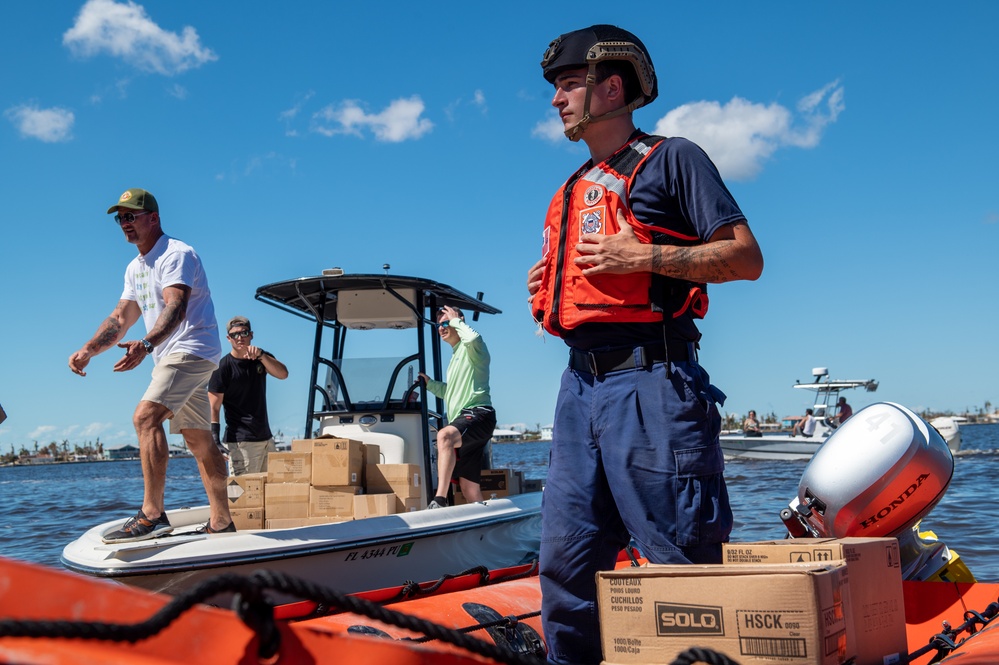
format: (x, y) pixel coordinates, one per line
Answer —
(806, 426)
(629, 244)
(751, 426)
(844, 411)
(167, 287)
(240, 386)
(471, 417)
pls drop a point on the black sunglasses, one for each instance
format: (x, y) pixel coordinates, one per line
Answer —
(128, 217)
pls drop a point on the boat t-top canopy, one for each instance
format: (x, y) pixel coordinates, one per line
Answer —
(338, 303)
(870, 385)
(830, 386)
(383, 299)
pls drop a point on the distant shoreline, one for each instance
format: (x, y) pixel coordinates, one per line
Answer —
(84, 461)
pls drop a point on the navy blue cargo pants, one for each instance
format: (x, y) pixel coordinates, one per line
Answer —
(635, 454)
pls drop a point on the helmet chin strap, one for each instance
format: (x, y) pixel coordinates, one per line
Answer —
(575, 133)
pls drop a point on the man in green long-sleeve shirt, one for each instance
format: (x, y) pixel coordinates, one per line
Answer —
(471, 416)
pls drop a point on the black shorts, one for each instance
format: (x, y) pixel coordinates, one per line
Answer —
(476, 426)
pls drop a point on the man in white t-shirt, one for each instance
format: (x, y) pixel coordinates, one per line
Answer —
(167, 287)
(805, 426)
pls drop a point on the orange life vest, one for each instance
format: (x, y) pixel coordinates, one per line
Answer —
(588, 203)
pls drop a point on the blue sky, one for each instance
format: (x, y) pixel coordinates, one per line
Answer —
(859, 138)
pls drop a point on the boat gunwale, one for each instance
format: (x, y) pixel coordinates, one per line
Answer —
(298, 551)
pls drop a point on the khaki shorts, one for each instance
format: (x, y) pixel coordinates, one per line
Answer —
(250, 456)
(180, 383)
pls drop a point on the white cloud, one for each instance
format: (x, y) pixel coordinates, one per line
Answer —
(262, 165)
(95, 429)
(41, 431)
(741, 135)
(399, 122)
(178, 91)
(288, 115)
(551, 129)
(50, 125)
(478, 99)
(124, 30)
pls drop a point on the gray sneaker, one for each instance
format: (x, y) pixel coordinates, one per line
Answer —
(437, 502)
(139, 527)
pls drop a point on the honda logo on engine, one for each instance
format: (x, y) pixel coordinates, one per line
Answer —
(677, 619)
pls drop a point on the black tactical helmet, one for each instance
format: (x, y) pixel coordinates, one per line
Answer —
(599, 43)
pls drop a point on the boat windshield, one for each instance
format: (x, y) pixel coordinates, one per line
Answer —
(367, 383)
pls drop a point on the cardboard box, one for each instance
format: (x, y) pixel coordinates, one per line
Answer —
(247, 518)
(246, 491)
(532, 485)
(286, 500)
(792, 614)
(876, 610)
(289, 467)
(372, 454)
(402, 480)
(337, 462)
(410, 504)
(295, 522)
(374, 505)
(499, 480)
(301, 445)
(332, 501)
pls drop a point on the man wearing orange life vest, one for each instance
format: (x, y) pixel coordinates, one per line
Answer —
(630, 243)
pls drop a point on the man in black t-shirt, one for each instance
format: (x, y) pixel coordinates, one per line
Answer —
(240, 385)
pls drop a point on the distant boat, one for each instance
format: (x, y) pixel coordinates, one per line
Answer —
(950, 429)
(781, 445)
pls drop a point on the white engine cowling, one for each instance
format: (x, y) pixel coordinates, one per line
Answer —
(877, 475)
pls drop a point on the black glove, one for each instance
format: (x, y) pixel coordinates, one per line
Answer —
(216, 429)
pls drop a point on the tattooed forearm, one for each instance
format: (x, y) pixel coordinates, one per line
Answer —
(171, 316)
(107, 335)
(705, 263)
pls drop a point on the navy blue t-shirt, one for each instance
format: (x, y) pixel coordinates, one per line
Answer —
(678, 187)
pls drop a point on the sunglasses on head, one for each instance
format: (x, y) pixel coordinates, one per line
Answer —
(129, 217)
(239, 334)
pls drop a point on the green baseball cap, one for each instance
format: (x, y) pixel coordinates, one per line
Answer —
(135, 199)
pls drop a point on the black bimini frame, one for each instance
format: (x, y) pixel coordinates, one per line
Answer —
(315, 299)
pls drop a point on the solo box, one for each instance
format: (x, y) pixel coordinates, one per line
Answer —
(792, 614)
(877, 611)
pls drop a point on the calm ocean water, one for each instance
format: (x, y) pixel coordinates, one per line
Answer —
(43, 508)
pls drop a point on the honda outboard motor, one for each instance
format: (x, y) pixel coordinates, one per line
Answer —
(877, 475)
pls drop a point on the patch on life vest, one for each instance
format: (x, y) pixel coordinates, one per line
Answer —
(591, 220)
(545, 246)
(593, 195)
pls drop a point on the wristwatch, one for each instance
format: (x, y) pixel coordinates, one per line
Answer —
(146, 343)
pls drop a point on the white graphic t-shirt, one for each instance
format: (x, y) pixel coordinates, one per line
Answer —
(170, 263)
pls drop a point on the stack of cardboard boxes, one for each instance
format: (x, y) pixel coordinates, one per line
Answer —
(320, 481)
(327, 480)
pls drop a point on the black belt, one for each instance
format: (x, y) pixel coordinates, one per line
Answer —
(602, 362)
